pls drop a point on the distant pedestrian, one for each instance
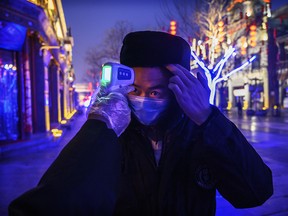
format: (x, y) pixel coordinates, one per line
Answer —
(239, 108)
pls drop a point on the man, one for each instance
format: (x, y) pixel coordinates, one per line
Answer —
(168, 159)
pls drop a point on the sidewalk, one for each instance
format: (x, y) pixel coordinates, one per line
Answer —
(269, 124)
(34, 142)
(14, 148)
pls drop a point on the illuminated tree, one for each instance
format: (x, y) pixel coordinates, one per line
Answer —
(215, 75)
(211, 21)
(206, 22)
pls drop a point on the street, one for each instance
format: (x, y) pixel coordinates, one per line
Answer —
(268, 135)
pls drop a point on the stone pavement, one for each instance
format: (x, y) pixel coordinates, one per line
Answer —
(21, 169)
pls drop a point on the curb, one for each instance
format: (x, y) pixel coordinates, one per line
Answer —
(17, 148)
(35, 142)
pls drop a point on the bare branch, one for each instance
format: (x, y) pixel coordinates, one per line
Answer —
(108, 49)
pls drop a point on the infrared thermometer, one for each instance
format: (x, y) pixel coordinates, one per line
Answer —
(115, 76)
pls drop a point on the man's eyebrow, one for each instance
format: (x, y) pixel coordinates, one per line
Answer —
(159, 86)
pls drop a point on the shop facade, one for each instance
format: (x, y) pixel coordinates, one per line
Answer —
(280, 36)
(36, 72)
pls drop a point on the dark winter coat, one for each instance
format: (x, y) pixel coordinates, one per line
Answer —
(99, 174)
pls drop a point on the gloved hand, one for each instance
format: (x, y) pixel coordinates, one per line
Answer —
(111, 108)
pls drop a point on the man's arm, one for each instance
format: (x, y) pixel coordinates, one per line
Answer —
(81, 181)
(241, 175)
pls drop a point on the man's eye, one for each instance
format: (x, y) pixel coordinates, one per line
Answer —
(154, 93)
(134, 92)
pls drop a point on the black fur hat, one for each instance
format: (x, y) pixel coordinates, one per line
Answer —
(154, 48)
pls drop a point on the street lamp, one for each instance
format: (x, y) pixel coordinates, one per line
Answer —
(173, 27)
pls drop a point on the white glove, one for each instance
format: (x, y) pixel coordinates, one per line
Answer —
(112, 108)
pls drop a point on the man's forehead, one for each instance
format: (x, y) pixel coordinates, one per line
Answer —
(151, 85)
(151, 78)
(151, 72)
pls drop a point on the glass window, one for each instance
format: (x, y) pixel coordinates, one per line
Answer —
(8, 97)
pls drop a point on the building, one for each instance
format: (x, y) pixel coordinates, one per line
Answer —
(36, 71)
(253, 30)
(279, 37)
(247, 30)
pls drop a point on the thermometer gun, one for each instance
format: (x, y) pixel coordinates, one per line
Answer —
(115, 76)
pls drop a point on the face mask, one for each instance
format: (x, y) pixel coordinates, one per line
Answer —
(147, 110)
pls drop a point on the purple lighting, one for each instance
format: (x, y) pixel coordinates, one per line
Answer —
(12, 36)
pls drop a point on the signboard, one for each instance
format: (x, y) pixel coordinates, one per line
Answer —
(12, 36)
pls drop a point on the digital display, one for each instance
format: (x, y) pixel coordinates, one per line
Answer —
(123, 74)
(106, 73)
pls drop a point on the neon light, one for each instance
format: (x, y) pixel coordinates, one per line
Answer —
(237, 69)
(63, 121)
(225, 77)
(202, 65)
(218, 70)
(56, 132)
(221, 64)
(227, 54)
(252, 59)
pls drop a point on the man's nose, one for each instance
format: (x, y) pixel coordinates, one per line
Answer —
(143, 94)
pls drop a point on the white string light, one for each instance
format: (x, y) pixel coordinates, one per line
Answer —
(218, 70)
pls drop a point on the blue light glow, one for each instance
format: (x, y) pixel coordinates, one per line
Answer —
(6, 67)
(8, 99)
(12, 36)
(218, 70)
(202, 65)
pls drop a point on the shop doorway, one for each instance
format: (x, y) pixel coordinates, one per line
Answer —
(9, 113)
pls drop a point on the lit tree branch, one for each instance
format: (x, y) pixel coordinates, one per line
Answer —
(237, 69)
(202, 65)
(218, 70)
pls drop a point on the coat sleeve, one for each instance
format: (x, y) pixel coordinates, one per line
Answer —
(83, 180)
(240, 174)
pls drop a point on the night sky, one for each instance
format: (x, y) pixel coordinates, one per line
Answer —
(90, 19)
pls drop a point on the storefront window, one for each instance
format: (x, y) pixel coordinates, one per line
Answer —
(8, 96)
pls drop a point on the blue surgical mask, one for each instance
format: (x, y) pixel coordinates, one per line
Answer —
(147, 110)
